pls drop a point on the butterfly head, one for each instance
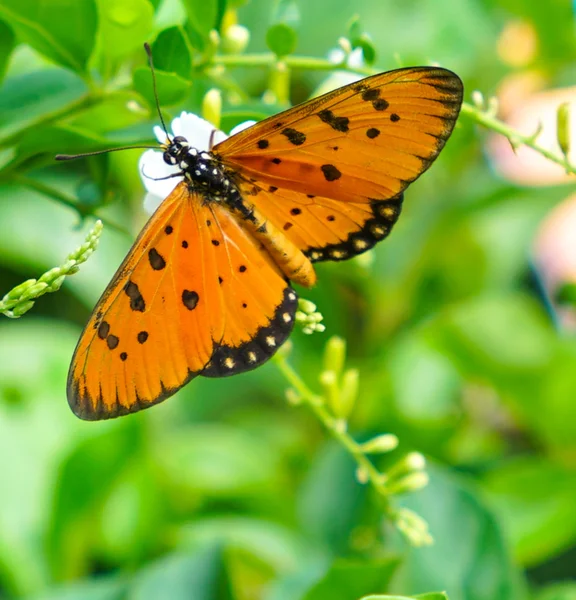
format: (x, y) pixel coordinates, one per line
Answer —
(177, 151)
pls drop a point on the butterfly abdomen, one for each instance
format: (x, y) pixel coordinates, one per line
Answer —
(285, 253)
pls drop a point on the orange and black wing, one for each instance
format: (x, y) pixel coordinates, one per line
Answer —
(195, 296)
(331, 172)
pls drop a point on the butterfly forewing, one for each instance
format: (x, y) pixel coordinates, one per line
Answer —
(365, 141)
(194, 296)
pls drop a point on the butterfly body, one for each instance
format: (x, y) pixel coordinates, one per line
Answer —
(206, 288)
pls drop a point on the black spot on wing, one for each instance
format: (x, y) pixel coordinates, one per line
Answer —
(142, 337)
(294, 137)
(168, 229)
(337, 123)
(263, 144)
(137, 302)
(372, 133)
(331, 173)
(156, 260)
(228, 360)
(112, 341)
(384, 214)
(370, 94)
(380, 104)
(103, 330)
(190, 299)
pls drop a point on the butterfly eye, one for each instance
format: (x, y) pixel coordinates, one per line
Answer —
(169, 158)
(180, 141)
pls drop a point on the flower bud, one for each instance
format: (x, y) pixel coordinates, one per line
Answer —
(235, 39)
(212, 107)
(380, 444)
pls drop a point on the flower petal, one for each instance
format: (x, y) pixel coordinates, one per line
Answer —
(241, 127)
(153, 167)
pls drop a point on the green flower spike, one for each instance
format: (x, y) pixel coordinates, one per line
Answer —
(20, 300)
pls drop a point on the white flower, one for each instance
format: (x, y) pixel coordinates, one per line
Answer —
(152, 166)
(354, 59)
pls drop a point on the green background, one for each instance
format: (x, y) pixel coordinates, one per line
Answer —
(226, 491)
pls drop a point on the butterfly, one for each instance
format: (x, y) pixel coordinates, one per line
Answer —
(206, 289)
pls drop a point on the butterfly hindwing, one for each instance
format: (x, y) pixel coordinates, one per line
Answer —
(174, 310)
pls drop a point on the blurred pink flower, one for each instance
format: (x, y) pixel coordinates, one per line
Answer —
(554, 253)
(526, 166)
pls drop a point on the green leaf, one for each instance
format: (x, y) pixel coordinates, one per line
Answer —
(7, 43)
(281, 39)
(469, 546)
(215, 460)
(201, 575)
(124, 26)
(429, 596)
(567, 294)
(86, 478)
(286, 11)
(172, 89)
(505, 333)
(354, 29)
(110, 588)
(36, 430)
(565, 590)
(204, 15)
(368, 49)
(171, 52)
(535, 500)
(331, 499)
(352, 579)
(27, 98)
(63, 31)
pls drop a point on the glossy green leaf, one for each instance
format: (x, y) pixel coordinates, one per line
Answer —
(27, 98)
(368, 49)
(124, 26)
(204, 15)
(281, 39)
(171, 87)
(468, 545)
(428, 596)
(564, 590)
(331, 499)
(535, 499)
(352, 579)
(200, 575)
(63, 31)
(113, 588)
(286, 11)
(86, 479)
(7, 42)
(36, 429)
(171, 52)
(215, 460)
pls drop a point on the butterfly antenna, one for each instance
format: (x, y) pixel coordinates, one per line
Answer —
(97, 152)
(151, 63)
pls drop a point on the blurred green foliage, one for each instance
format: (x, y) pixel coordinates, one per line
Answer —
(225, 491)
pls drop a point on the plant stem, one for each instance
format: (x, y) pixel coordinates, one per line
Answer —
(514, 137)
(316, 404)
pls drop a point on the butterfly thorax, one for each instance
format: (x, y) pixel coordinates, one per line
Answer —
(206, 175)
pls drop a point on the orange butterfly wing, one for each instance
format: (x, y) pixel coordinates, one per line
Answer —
(195, 296)
(330, 173)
